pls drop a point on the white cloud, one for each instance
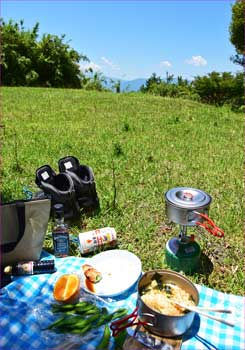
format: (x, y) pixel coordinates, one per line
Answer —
(94, 66)
(109, 63)
(165, 64)
(197, 61)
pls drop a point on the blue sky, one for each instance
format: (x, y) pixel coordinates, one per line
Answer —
(132, 39)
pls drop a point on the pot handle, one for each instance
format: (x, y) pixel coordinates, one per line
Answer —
(125, 322)
(209, 225)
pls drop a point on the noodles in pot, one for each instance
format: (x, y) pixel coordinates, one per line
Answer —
(161, 296)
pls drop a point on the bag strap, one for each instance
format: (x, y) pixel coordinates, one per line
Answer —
(20, 209)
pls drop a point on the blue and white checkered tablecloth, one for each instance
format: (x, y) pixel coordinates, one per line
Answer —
(25, 312)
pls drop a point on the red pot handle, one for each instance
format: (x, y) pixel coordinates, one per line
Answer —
(209, 225)
(125, 322)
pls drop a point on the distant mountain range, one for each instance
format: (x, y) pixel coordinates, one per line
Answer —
(126, 85)
(132, 85)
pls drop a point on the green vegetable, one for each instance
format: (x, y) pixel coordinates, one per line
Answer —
(167, 289)
(109, 317)
(85, 316)
(120, 339)
(104, 319)
(105, 339)
(84, 306)
(158, 278)
(58, 308)
(70, 321)
(79, 308)
(88, 320)
(119, 313)
(83, 303)
(98, 278)
(80, 331)
(56, 323)
(86, 310)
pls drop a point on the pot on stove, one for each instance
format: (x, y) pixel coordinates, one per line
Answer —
(185, 204)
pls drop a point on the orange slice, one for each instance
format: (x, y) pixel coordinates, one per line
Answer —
(67, 288)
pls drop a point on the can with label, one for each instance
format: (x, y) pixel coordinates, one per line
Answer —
(93, 240)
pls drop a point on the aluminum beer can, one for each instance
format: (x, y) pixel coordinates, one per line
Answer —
(93, 240)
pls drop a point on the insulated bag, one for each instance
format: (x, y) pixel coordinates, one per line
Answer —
(23, 226)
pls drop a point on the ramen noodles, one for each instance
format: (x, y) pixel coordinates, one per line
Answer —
(161, 296)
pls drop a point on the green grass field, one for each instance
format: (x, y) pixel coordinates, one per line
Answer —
(153, 144)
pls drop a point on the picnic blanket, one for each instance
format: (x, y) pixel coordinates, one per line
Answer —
(25, 312)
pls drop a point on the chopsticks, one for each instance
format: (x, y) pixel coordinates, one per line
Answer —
(200, 310)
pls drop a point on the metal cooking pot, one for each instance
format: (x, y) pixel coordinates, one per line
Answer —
(165, 325)
(183, 205)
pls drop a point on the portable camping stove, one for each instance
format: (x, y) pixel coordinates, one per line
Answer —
(183, 253)
(187, 207)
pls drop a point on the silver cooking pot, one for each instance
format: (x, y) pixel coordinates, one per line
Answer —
(183, 205)
(165, 325)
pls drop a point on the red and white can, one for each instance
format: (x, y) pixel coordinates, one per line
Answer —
(93, 240)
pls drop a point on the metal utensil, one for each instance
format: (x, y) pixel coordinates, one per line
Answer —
(200, 308)
(200, 312)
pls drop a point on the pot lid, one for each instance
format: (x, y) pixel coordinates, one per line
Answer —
(187, 197)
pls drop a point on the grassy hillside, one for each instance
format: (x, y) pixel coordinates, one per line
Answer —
(155, 144)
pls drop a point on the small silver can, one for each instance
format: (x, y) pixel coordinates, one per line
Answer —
(92, 240)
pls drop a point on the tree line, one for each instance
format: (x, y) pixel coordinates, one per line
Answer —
(47, 62)
(215, 88)
(26, 60)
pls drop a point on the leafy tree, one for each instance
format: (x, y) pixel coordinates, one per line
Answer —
(95, 81)
(26, 61)
(57, 63)
(220, 88)
(18, 53)
(169, 78)
(116, 85)
(157, 86)
(181, 81)
(154, 80)
(214, 88)
(237, 31)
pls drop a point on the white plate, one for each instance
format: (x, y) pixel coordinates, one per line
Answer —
(120, 270)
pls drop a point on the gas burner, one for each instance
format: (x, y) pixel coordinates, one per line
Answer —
(187, 207)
